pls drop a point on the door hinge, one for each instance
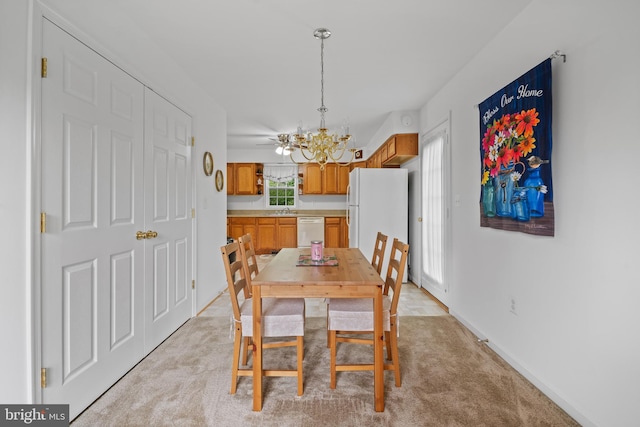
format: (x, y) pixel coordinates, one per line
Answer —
(193, 212)
(193, 284)
(43, 68)
(43, 222)
(193, 141)
(43, 378)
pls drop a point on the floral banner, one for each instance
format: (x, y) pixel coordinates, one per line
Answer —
(515, 153)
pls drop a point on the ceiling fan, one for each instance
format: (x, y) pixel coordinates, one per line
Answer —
(283, 142)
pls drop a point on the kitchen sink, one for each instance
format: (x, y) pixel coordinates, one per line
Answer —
(283, 212)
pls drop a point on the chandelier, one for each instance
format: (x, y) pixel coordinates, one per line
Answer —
(321, 147)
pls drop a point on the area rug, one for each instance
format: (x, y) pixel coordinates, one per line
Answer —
(448, 379)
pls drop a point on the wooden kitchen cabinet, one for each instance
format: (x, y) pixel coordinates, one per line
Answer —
(266, 241)
(245, 179)
(360, 164)
(345, 232)
(383, 153)
(241, 226)
(336, 234)
(374, 160)
(335, 179)
(231, 180)
(269, 234)
(332, 232)
(312, 176)
(287, 233)
(400, 148)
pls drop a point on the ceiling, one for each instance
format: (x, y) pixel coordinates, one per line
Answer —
(260, 61)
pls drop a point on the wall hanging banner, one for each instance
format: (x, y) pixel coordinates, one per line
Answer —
(515, 153)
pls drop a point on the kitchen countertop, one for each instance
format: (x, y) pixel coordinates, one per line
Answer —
(294, 213)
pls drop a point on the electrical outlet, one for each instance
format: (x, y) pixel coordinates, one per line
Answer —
(512, 305)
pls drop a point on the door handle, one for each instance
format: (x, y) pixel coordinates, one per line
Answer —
(146, 234)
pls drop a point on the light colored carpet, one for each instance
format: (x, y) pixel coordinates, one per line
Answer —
(448, 380)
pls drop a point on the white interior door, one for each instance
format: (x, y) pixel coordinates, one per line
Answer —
(92, 265)
(168, 296)
(435, 171)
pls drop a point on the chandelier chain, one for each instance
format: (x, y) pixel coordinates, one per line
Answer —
(322, 108)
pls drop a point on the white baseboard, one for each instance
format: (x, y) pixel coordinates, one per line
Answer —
(558, 400)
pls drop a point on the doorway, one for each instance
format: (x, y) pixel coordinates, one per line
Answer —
(435, 175)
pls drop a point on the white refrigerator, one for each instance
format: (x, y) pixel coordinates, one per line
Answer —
(377, 200)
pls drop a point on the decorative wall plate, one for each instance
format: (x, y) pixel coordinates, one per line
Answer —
(207, 163)
(219, 180)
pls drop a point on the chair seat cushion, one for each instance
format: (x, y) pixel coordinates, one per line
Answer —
(356, 314)
(281, 317)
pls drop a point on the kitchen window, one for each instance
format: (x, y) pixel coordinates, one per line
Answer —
(281, 183)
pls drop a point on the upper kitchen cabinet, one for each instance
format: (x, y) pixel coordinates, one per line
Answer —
(398, 149)
(355, 165)
(335, 179)
(332, 180)
(312, 178)
(231, 181)
(244, 179)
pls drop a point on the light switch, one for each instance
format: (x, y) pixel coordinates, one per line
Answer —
(456, 200)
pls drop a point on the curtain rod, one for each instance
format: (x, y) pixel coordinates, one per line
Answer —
(558, 54)
(554, 55)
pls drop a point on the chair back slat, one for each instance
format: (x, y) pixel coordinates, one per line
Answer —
(395, 272)
(236, 275)
(248, 252)
(378, 252)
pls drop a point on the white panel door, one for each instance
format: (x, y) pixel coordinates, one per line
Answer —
(168, 295)
(92, 265)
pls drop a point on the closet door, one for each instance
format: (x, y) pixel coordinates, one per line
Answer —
(92, 286)
(168, 294)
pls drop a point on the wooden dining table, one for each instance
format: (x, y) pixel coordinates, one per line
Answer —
(352, 277)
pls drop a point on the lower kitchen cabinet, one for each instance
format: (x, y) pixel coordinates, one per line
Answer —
(241, 226)
(287, 233)
(266, 241)
(336, 233)
(269, 234)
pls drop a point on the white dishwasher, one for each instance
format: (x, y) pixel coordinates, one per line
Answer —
(310, 228)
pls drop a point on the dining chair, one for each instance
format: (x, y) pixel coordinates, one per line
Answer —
(248, 252)
(281, 318)
(350, 317)
(376, 261)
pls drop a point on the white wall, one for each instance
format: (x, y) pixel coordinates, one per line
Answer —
(15, 315)
(577, 327)
(144, 61)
